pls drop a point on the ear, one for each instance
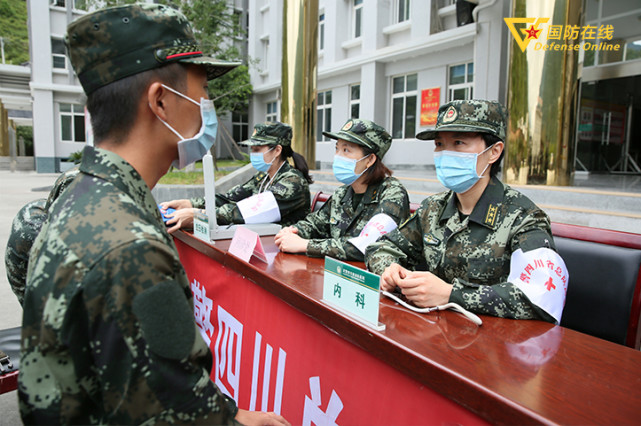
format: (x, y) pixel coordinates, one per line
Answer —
(371, 160)
(277, 150)
(495, 152)
(157, 97)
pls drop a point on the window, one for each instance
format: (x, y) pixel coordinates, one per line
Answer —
(72, 123)
(404, 98)
(265, 58)
(355, 100)
(357, 18)
(239, 125)
(58, 54)
(59, 3)
(461, 82)
(272, 111)
(324, 115)
(402, 10)
(321, 31)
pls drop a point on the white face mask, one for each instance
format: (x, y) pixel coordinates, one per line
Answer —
(192, 149)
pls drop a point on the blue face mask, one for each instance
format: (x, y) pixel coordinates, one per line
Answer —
(192, 149)
(457, 170)
(258, 161)
(344, 169)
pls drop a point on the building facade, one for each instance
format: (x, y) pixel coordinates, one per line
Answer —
(58, 100)
(390, 60)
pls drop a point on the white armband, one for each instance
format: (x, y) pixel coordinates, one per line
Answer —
(542, 275)
(259, 208)
(379, 225)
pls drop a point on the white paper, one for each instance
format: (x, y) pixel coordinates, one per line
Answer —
(259, 208)
(377, 226)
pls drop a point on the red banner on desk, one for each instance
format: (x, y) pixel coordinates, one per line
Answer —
(269, 356)
(430, 101)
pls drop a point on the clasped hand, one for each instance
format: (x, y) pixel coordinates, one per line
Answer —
(422, 288)
(289, 241)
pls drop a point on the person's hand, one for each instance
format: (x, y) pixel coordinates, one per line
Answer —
(175, 204)
(183, 218)
(289, 241)
(260, 418)
(286, 230)
(391, 276)
(425, 289)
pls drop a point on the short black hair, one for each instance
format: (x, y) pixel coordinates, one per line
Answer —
(490, 140)
(114, 107)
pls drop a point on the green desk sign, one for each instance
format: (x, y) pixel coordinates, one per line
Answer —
(353, 291)
(201, 227)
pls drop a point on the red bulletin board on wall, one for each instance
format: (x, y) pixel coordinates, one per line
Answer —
(430, 101)
(269, 356)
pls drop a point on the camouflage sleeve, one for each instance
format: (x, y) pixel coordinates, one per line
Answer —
(291, 193)
(237, 193)
(404, 246)
(144, 340)
(24, 230)
(316, 224)
(395, 203)
(505, 299)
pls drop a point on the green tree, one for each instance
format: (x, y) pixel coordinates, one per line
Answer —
(13, 31)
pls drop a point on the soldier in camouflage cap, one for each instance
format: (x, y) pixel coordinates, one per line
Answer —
(114, 43)
(471, 245)
(270, 146)
(370, 195)
(365, 133)
(271, 133)
(108, 332)
(472, 115)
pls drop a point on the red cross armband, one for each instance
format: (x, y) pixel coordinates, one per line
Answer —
(542, 275)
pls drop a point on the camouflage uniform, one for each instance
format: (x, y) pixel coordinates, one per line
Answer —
(473, 253)
(108, 333)
(24, 230)
(329, 229)
(289, 186)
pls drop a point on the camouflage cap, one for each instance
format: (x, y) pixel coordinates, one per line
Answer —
(271, 133)
(117, 42)
(365, 133)
(474, 115)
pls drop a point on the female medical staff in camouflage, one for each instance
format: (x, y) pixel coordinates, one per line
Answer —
(271, 144)
(471, 238)
(327, 231)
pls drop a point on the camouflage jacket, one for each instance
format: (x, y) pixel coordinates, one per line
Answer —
(330, 228)
(24, 230)
(108, 333)
(289, 187)
(474, 253)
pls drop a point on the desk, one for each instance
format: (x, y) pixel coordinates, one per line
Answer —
(278, 347)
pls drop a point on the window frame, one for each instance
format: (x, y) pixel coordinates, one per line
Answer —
(56, 55)
(354, 102)
(405, 95)
(397, 13)
(467, 85)
(77, 112)
(271, 116)
(323, 109)
(357, 19)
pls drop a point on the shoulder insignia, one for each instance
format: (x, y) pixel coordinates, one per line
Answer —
(490, 216)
